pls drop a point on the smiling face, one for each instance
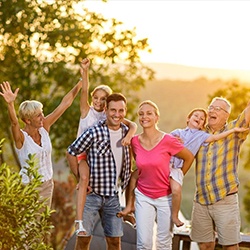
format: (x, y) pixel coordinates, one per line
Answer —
(31, 112)
(148, 116)
(197, 119)
(218, 114)
(36, 120)
(115, 112)
(99, 100)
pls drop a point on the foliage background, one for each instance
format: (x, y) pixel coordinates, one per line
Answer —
(25, 221)
(41, 46)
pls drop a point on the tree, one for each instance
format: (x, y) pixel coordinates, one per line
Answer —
(41, 45)
(24, 216)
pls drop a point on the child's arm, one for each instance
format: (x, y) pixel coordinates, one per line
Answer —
(10, 97)
(225, 134)
(84, 104)
(132, 130)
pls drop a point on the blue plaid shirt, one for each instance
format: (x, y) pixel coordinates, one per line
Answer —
(95, 141)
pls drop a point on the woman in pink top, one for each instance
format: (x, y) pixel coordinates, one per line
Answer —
(152, 151)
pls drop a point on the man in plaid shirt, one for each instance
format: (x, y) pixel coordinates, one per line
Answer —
(110, 166)
(216, 207)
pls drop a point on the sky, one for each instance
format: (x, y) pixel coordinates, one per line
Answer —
(210, 34)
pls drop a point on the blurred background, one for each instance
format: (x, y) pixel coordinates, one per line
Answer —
(179, 54)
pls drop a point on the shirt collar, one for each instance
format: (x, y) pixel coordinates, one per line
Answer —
(192, 130)
(208, 129)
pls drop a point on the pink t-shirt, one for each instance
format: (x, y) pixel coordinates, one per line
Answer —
(153, 165)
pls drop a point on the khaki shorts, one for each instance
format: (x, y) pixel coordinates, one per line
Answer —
(177, 175)
(223, 217)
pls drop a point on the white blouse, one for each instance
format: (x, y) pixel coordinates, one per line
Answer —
(42, 155)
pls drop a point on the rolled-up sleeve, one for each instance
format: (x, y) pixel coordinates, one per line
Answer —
(81, 144)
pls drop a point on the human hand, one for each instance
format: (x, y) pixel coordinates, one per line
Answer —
(126, 141)
(84, 65)
(179, 139)
(240, 129)
(7, 93)
(89, 189)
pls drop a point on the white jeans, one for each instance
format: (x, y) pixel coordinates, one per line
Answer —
(147, 211)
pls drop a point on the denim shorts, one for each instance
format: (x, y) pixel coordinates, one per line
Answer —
(107, 207)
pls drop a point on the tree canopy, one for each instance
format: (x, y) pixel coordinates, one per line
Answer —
(41, 45)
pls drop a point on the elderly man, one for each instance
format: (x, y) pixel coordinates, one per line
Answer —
(216, 207)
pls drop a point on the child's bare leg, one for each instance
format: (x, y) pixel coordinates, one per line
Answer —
(127, 213)
(82, 192)
(130, 196)
(176, 202)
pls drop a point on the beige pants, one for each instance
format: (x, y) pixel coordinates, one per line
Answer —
(46, 191)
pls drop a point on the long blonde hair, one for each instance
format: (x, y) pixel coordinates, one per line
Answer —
(105, 88)
(151, 103)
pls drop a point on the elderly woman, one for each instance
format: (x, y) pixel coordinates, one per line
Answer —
(34, 137)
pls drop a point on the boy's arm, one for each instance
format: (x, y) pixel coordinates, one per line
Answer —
(225, 134)
(132, 130)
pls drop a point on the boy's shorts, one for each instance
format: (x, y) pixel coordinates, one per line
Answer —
(177, 175)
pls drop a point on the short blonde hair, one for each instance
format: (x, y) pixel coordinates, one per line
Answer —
(149, 102)
(105, 88)
(29, 108)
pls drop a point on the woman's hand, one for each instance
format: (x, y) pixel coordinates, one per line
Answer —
(7, 93)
